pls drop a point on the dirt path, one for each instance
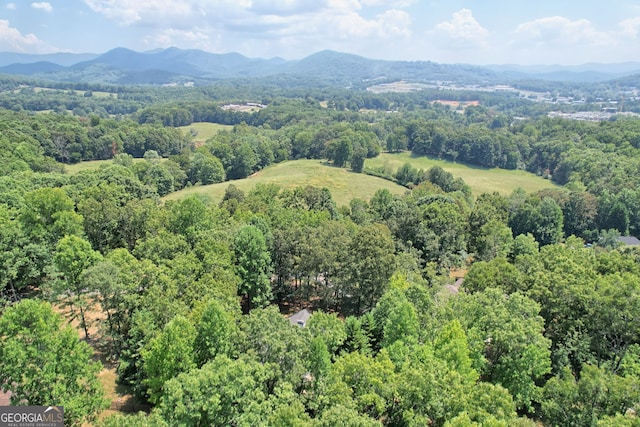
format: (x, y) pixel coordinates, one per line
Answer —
(122, 401)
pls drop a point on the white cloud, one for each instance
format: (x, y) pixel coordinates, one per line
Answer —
(462, 31)
(147, 12)
(394, 23)
(336, 5)
(630, 27)
(286, 7)
(388, 3)
(557, 39)
(560, 31)
(172, 37)
(186, 14)
(44, 6)
(12, 40)
(391, 23)
(261, 27)
(11, 6)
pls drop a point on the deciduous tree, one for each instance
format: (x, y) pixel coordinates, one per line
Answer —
(253, 264)
(43, 362)
(167, 355)
(73, 256)
(372, 263)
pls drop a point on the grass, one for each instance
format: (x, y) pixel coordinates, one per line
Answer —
(96, 93)
(90, 165)
(121, 397)
(479, 179)
(346, 185)
(343, 184)
(99, 94)
(204, 131)
(86, 166)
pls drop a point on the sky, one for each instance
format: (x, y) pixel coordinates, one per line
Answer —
(525, 32)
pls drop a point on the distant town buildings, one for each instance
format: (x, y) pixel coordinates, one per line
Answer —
(608, 107)
(591, 116)
(247, 107)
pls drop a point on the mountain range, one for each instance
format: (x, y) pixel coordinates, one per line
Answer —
(173, 65)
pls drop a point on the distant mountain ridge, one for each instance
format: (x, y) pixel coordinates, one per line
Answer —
(592, 72)
(62, 59)
(171, 65)
(32, 68)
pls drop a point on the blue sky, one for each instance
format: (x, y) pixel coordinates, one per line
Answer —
(454, 31)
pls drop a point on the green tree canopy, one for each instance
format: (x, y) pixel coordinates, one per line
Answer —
(253, 264)
(167, 355)
(43, 362)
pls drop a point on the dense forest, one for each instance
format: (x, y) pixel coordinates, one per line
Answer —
(189, 298)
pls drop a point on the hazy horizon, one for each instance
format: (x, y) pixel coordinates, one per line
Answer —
(459, 31)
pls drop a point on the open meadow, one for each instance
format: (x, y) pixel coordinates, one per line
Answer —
(203, 131)
(344, 184)
(86, 166)
(480, 180)
(90, 165)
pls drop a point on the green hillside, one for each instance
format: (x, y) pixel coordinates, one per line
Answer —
(203, 131)
(344, 185)
(480, 180)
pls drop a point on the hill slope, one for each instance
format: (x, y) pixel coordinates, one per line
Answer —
(32, 68)
(343, 184)
(480, 180)
(63, 59)
(125, 66)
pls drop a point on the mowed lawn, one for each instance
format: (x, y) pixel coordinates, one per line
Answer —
(204, 131)
(343, 184)
(480, 180)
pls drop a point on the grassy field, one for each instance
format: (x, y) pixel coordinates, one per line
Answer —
(86, 166)
(205, 131)
(344, 185)
(480, 180)
(90, 165)
(97, 94)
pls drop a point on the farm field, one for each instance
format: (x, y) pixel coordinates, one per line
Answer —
(344, 185)
(480, 180)
(204, 131)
